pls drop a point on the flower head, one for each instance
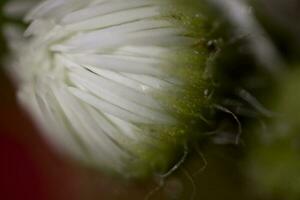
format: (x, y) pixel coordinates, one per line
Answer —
(113, 82)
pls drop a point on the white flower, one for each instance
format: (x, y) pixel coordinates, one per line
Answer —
(92, 73)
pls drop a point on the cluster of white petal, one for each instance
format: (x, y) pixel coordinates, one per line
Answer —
(88, 71)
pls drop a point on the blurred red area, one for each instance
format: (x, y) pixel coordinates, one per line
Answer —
(20, 177)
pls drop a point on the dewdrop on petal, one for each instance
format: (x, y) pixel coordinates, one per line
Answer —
(115, 83)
